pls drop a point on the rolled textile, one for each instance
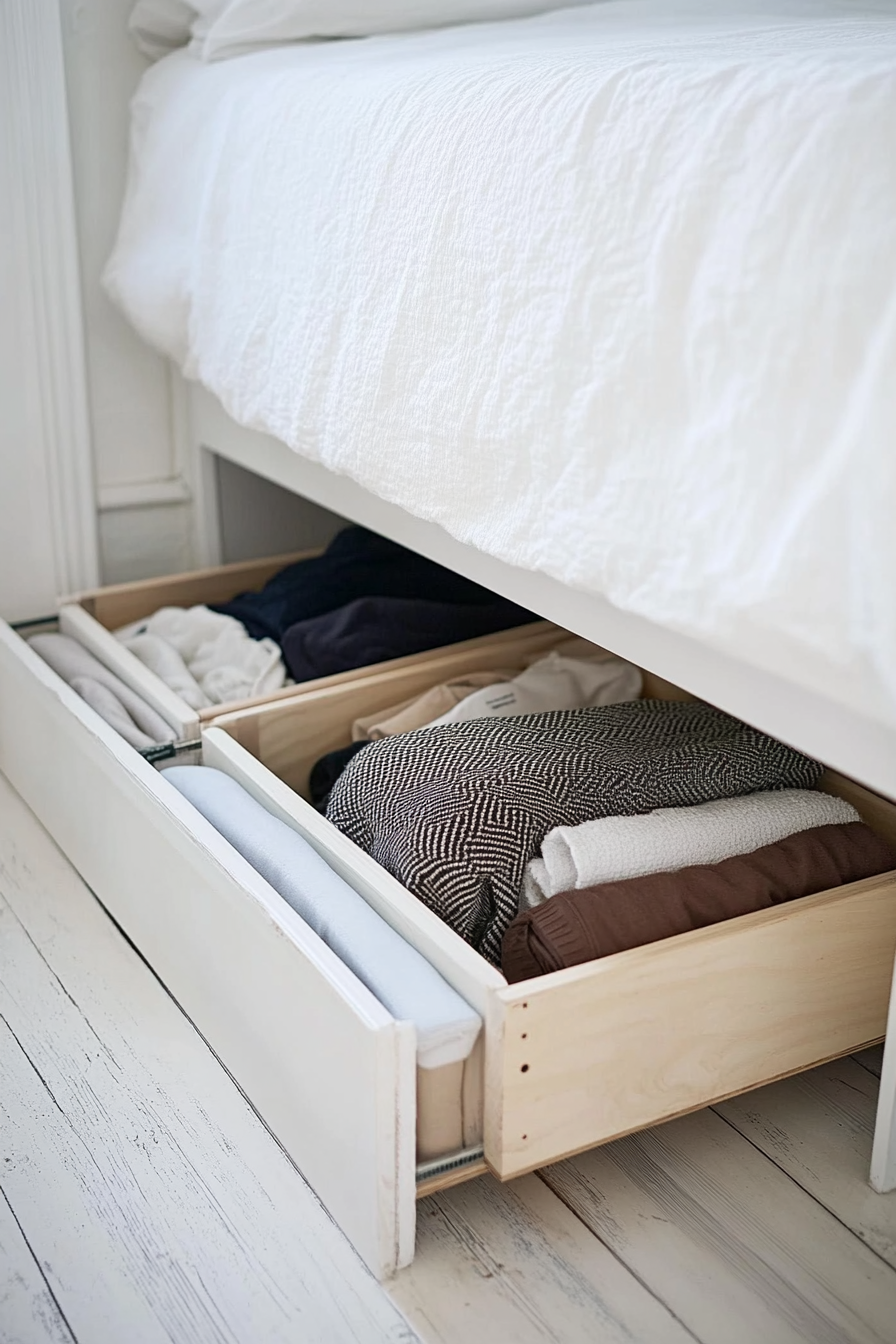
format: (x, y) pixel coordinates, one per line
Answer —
(164, 660)
(375, 629)
(456, 812)
(395, 972)
(612, 849)
(109, 707)
(578, 926)
(74, 663)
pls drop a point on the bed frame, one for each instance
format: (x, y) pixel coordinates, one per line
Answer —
(200, 430)
(843, 738)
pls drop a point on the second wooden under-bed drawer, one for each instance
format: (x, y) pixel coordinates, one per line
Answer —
(570, 1060)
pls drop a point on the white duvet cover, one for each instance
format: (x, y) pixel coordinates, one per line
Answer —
(609, 293)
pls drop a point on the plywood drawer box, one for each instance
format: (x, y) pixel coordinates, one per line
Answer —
(659, 1030)
(607, 1048)
(92, 617)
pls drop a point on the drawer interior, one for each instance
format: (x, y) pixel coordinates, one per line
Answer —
(92, 617)
(289, 739)
(659, 1030)
(119, 604)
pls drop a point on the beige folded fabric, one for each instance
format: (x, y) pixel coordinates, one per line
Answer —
(573, 647)
(422, 709)
(554, 682)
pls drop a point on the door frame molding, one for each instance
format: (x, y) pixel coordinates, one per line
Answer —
(45, 247)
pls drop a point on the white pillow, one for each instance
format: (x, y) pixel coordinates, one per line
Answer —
(228, 27)
(158, 26)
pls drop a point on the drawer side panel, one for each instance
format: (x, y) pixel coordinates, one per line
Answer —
(586, 1055)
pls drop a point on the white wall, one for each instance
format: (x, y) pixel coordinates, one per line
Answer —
(144, 476)
(47, 520)
(99, 480)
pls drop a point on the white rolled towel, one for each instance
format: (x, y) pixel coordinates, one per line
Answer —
(615, 848)
(394, 971)
(553, 682)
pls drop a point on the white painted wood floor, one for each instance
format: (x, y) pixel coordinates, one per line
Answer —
(143, 1201)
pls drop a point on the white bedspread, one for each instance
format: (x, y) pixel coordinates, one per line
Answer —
(609, 293)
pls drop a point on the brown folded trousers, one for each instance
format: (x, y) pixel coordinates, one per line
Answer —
(577, 926)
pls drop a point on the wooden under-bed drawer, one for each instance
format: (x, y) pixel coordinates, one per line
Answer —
(572, 1059)
(582, 1056)
(92, 617)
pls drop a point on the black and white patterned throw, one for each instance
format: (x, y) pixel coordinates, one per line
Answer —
(456, 812)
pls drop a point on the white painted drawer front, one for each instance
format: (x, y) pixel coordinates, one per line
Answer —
(330, 1070)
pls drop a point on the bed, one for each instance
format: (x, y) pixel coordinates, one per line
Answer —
(596, 307)
(606, 296)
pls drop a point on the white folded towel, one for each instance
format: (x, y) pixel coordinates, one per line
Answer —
(553, 682)
(218, 652)
(400, 976)
(615, 848)
(122, 708)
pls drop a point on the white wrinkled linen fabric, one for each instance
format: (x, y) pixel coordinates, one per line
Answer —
(614, 849)
(608, 293)
(216, 653)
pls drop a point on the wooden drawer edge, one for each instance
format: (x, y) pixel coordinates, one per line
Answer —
(676, 1025)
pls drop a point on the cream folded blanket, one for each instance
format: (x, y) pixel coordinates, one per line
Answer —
(221, 659)
(123, 709)
(420, 710)
(553, 682)
(612, 849)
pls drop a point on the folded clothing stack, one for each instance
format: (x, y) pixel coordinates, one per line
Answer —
(613, 849)
(456, 812)
(366, 600)
(596, 921)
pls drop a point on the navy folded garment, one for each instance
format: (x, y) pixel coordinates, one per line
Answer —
(376, 628)
(326, 771)
(357, 563)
